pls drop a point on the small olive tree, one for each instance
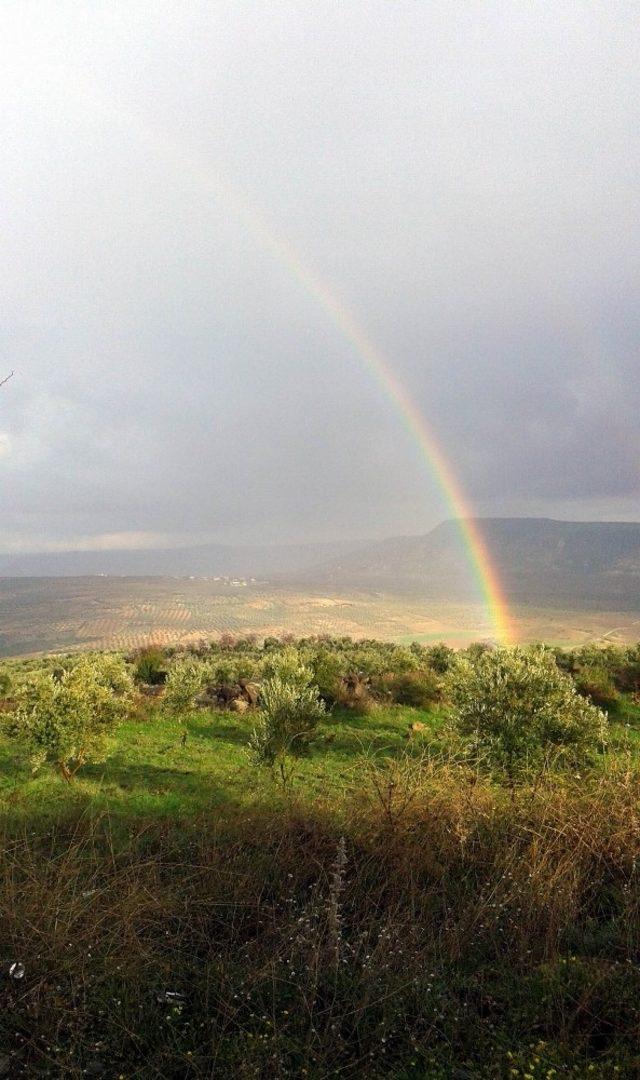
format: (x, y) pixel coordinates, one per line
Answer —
(150, 665)
(290, 712)
(516, 710)
(67, 718)
(184, 682)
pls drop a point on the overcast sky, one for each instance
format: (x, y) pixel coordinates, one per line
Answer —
(464, 176)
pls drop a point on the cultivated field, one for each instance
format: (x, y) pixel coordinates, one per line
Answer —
(45, 614)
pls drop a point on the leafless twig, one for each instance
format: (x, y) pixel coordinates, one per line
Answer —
(6, 379)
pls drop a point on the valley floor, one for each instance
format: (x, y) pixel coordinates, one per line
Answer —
(55, 614)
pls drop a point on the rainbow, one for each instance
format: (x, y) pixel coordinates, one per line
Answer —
(373, 359)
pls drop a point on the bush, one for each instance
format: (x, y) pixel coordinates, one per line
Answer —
(231, 670)
(516, 710)
(607, 668)
(184, 681)
(476, 650)
(5, 683)
(67, 720)
(440, 657)
(417, 689)
(290, 713)
(288, 665)
(565, 659)
(627, 676)
(596, 684)
(150, 666)
(328, 668)
(354, 694)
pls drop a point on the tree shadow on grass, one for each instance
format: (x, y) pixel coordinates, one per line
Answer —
(346, 733)
(344, 745)
(141, 780)
(223, 727)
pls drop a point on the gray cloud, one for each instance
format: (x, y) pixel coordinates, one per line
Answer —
(465, 180)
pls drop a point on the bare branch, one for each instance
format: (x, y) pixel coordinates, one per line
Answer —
(6, 379)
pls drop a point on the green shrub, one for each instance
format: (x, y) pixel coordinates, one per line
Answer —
(627, 676)
(354, 694)
(440, 657)
(287, 664)
(231, 670)
(67, 720)
(417, 689)
(150, 666)
(5, 682)
(328, 669)
(621, 665)
(476, 650)
(184, 682)
(596, 684)
(290, 712)
(565, 659)
(516, 710)
(608, 667)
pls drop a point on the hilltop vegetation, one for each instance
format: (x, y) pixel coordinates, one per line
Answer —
(321, 857)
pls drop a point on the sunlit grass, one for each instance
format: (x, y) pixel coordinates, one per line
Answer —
(473, 923)
(149, 771)
(472, 920)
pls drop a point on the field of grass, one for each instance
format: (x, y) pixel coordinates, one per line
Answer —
(54, 614)
(385, 913)
(150, 774)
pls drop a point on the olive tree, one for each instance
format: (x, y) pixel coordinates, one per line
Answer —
(515, 709)
(66, 718)
(290, 712)
(184, 682)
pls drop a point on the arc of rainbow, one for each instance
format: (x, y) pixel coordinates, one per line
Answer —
(374, 360)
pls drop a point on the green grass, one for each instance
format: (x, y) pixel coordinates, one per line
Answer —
(149, 772)
(475, 932)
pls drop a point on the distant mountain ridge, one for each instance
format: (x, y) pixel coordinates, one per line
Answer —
(538, 560)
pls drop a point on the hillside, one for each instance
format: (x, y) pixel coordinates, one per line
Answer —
(538, 559)
(182, 903)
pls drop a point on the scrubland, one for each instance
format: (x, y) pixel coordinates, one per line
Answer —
(321, 858)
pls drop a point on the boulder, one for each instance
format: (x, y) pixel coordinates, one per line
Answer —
(250, 691)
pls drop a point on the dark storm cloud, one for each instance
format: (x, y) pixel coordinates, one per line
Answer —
(464, 178)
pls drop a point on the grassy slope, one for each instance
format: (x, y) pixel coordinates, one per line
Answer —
(149, 773)
(481, 938)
